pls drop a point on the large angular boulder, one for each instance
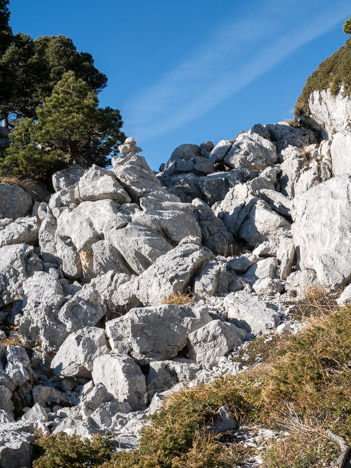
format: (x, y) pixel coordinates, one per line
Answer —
(213, 340)
(252, 150)
(283, 134)
(76, 354)
(220, 151)
(171, 273)
(215, 235)
(48, 316)
(21, 231)
(67, 177)
(14, 201)
(85, 224)
(216, 278)
(321, 231)
(122, 378)
(188, 158)
(43, 296)
(163, 375)
(152, 233)
(17, 366)
(135, 175)
(17, 263)
(98, 184)
(154, 333)
(250, 313)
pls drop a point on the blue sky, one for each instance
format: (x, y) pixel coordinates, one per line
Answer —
(188, 71)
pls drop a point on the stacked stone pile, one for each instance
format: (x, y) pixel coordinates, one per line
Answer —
(88, 342)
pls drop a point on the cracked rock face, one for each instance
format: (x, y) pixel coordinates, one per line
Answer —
(332, 113)
(323, 240)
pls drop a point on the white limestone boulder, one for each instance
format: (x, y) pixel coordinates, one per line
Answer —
(67, 177)
(154, 333)
(17, 263)
(250, 313)
(76, 354)
(14, 202)
(171, 273)
(135, 175)
(98, 183)
(122, 378)
(321, 231)
(253, 150)
(21, 231)
(213, 340)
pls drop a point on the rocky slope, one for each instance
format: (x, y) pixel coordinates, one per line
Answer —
(97, 326)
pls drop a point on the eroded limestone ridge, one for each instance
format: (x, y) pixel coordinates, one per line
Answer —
(230, 232)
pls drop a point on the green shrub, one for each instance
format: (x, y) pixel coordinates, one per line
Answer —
(347, 26)
(62, 451)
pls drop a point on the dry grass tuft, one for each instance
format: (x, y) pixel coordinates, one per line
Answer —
(317, 303)
(11, 180)
(14, 340)
(302, 449)
(178, 299)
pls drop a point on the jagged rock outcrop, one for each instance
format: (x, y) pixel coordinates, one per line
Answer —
(321, 231)
(86, 277)
(331, 112)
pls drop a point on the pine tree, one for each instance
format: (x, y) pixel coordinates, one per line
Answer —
(30, 69)
(5, 30)
(69, 128)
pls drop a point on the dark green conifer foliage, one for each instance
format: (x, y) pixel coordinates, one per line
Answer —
(31, 68)
(5, 30)
(69, 128)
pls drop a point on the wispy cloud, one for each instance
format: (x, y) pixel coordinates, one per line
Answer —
(236, 54)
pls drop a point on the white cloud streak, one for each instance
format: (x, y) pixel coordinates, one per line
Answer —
(236, 54)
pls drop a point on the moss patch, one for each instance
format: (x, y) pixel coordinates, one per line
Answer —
(334, 72)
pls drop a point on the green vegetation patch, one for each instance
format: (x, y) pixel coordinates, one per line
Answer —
(301, 450)
(63, 451)
(334, 72)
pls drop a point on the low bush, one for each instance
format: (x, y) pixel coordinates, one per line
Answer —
(63, 451)
(305, 448)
